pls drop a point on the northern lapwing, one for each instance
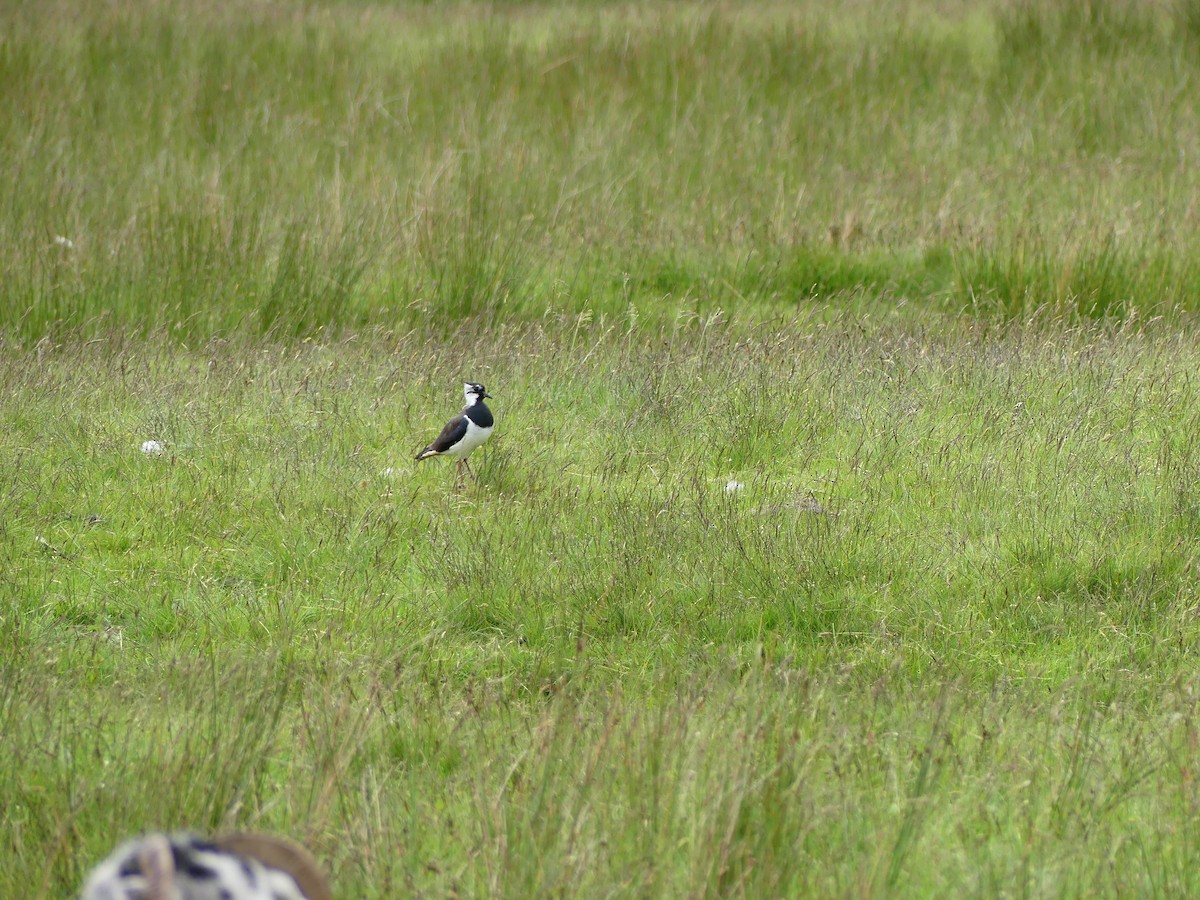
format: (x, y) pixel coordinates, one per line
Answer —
(464, 432)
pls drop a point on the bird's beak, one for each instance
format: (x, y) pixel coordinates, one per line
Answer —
(486, 394)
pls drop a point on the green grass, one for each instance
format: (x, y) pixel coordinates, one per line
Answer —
(280, 169)
(918, 283)
(940, 641)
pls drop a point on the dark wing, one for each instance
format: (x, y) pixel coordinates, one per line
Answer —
(455, 431)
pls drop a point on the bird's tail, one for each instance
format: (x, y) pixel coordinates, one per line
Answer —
(426, 453)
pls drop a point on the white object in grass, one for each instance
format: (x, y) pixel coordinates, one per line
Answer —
(152, 448)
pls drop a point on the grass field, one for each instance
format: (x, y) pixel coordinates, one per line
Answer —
(838, 536)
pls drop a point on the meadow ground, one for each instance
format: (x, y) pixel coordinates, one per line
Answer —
(838, 533)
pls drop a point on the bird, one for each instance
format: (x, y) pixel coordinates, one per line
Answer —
(184, 866)
(466, 431)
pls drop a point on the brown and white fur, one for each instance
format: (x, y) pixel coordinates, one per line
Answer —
(187, 867)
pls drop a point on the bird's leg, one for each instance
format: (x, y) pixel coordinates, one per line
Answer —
(459, 481)
(467, 463)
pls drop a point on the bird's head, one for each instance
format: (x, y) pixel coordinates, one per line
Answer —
(473, 392)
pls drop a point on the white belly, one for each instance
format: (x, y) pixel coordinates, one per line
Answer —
(474, 437)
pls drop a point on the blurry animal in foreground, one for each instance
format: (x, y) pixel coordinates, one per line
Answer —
(187, 867)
